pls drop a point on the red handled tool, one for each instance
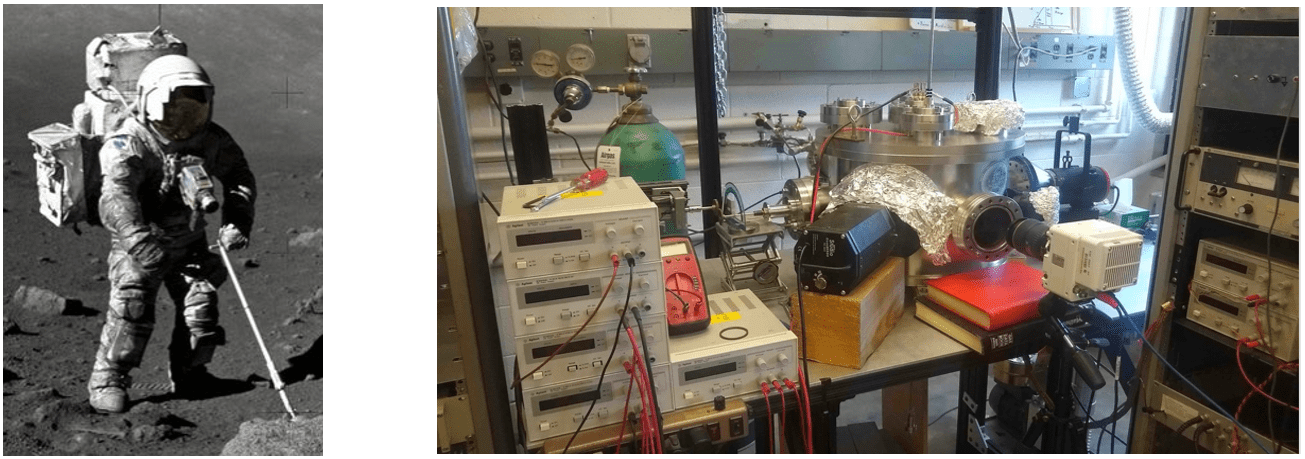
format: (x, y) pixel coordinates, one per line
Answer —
(585, 182)
(686, 300)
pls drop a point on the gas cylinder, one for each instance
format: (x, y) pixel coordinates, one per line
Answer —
(648, 151)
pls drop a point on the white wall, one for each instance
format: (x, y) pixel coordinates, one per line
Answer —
(672, 95)
(669, 18)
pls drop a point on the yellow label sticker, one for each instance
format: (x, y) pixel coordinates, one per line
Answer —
(583, 194)
(726, 317)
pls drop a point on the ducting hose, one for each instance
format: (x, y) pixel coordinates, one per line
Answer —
(1138, 94)
(1144, 168)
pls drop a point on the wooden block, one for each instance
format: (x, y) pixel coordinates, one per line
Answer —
(906, 412)
(845, 330)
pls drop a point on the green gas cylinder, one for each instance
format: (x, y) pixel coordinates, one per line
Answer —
(648, 151)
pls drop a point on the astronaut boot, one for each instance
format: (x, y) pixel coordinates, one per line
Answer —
(122, 345)
(192, 382)
(108, 390)
(189, 372)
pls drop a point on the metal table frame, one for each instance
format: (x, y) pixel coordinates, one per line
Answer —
(462, 214)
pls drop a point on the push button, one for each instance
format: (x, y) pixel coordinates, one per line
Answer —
(521, 265)
(584, 256)
(713, 429)
(736, 427)
(557, 260)
(543, 426)
(530, 320)
(572, 367)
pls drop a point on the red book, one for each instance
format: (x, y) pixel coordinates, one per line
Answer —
(992, 298)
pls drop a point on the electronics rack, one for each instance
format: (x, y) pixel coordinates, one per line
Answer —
(557, 262)
(1228, 174)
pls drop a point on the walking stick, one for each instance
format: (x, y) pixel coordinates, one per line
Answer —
(271, 368)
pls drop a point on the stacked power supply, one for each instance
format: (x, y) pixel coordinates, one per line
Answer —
(558, 261)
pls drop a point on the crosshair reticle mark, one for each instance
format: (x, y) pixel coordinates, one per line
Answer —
(287, 92)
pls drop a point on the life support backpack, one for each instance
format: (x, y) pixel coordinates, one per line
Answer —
(68, 175)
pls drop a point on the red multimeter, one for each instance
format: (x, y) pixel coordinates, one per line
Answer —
(686, 299)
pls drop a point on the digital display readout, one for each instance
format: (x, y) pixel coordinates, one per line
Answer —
(1227, 264)
(556, 294)
(529, 239)
(674, 248)
(574, 346)
(1220, 305)
(554, 403)
(707, 372)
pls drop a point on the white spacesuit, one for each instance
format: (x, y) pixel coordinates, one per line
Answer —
(157, 238)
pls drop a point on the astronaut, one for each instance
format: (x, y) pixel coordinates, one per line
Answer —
(160, 240)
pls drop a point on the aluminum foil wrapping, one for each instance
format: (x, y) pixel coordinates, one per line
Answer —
(989, 117)
(1046, 202)
(910, 194)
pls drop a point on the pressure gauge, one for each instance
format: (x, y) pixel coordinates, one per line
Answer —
(580, 57)
(545, 63)
(765, 272)
(1257, 178)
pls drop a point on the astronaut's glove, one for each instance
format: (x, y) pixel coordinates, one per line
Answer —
(231, 238)
(149, 253)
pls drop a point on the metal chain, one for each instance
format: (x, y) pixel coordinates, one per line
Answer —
(721, 61)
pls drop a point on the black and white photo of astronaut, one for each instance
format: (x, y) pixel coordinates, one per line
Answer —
(195, 131)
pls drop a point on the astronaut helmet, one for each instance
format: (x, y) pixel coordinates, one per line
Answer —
(175, 97)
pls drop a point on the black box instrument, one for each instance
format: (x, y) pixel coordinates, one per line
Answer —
(846, 244)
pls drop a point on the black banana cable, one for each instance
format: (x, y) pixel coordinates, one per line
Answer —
(615, 343)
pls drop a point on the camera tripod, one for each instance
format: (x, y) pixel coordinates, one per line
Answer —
(1061, 425)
